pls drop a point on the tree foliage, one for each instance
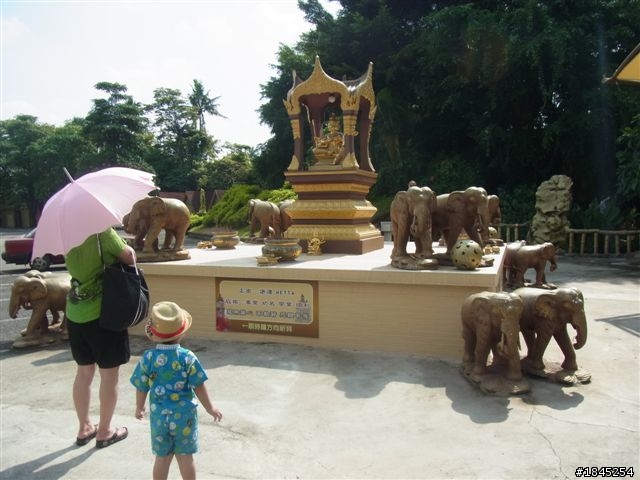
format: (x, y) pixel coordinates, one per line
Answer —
(498, 94)
(117, 127)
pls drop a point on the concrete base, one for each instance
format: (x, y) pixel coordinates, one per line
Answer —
(363, 303)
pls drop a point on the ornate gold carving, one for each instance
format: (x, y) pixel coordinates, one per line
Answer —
(350, 161)
(332, 187)
(295, 163)
(295, 127)
(349, 122)
(333, 232)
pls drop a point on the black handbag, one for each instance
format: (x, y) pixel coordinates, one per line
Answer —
(125, 296)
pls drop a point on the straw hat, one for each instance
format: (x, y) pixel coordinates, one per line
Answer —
(167, 321)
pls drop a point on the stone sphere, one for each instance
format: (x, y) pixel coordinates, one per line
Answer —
(466, 254)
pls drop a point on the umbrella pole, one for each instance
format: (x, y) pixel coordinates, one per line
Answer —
(68, 174)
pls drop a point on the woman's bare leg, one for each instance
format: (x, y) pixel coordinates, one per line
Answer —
(108, 401)
(82, 398)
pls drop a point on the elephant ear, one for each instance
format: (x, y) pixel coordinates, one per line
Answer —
(37, 288)
(456, 202)
(544, 306)
(157, 207)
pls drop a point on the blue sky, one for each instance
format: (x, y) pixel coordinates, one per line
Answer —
(54, 52)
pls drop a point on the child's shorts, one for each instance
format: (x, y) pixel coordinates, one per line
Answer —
(174, 433)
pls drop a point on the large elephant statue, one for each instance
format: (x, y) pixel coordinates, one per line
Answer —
(546, 314)
(139, 230)
(267, 216)
(285, 218)
(519, 257)
(461, 210)
(154, 214)
(40, 292)
(411, 212)
(491, 321)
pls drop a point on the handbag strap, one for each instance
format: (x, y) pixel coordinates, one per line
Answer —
(135, 264)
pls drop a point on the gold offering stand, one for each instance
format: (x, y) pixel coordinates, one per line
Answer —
(332, 186)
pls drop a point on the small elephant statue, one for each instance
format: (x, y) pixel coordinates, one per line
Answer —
(265, 214)
(40, 292)
(149, 216)
(285, 218)
(491, 321)
(546, 314)
(411, 214)
(492, 220)
(519, 257)
(461, 210)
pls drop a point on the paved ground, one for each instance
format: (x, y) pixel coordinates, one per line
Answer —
(299, 412)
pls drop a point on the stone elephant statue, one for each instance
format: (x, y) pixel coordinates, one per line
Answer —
(40, 292)
(519, 257)
(285, 219)
(149, 216)
(139, 230)
(411, 214)
(461, 210)
(546, 314)
(265, 214)
(491, 321)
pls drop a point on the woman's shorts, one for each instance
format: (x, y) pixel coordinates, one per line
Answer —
(90, 343)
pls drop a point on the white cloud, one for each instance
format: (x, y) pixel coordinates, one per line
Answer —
(53, 53)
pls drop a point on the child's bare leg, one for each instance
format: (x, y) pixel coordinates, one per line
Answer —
(187, 467)
(161, 467)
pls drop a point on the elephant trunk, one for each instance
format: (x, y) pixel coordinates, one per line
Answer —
(14, 305)
(579, 322)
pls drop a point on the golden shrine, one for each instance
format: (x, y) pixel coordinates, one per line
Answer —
(333, 179)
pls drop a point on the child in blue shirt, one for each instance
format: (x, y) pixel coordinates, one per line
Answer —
(175, 379)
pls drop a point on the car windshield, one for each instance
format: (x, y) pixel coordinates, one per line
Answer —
(31, 234)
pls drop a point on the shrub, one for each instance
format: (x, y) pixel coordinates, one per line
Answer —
(232, 210)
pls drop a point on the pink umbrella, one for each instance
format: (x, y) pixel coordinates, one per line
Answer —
(88, 205)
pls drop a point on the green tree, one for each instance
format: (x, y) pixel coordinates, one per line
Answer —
(234, 167)
(118, 128)
(202, 103)
(180, 149)
(19, 169)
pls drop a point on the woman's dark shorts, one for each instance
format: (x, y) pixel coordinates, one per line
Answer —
(91, 344)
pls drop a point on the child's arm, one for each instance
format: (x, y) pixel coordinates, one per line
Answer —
(203, 395)
(141, 398)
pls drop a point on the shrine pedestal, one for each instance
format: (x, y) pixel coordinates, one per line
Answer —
(332, 206)
(357, 301)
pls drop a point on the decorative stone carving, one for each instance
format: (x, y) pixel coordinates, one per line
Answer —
(553, 203)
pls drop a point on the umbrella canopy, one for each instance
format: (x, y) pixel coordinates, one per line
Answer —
(88, 205)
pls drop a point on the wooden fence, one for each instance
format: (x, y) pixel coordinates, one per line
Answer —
(590, 240)
(587, 241)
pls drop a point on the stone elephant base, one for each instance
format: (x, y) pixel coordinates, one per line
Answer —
(56, 333)
(413, 263)
(554, 372)
(162, 256)
(494, 382)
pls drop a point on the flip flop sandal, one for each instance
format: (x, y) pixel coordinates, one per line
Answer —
(113, 439)
(81, 441)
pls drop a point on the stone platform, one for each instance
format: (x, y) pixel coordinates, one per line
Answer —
(360, 302)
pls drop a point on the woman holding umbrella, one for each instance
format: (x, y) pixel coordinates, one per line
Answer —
(92, 345)
(70, 224)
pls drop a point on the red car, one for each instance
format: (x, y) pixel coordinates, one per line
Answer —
(18, 251)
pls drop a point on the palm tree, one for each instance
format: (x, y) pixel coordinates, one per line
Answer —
(202, 103)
